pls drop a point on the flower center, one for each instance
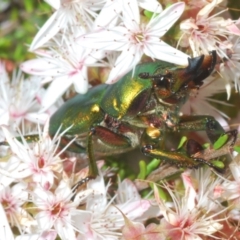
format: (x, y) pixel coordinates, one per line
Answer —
(138, 37)
(41, 162)
(201, 28)
(57, 209)
(7, 205)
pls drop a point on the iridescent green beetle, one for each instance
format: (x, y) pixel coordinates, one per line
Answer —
(141, 109)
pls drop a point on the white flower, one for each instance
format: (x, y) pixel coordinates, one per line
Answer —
(64, 65)
(150, 5)
(128, 197)
(134, 39)
(81, 14)
(185, 219)
(50, 235)
(113, 8)
(56, 210)
(19, 99)
(202, 3)
(230, 69)
(207, 33)
(12, 199)
(38, 160)
(68, 14)
(231, 188)
(208, 188)
(101, 220)
(5, 230)
(199, 101)
(7, 234)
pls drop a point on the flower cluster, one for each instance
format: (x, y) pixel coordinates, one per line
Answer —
(37, 196)
(88, 42)
(78, 39)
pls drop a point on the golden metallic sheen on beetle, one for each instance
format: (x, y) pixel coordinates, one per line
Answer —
(153, 132)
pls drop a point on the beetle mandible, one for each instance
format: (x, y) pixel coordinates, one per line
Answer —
(138, 110)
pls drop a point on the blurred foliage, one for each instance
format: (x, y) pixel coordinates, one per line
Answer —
(19, 22)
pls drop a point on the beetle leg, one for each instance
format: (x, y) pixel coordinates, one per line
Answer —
(78, 184)
(178, 158)
(153, 144)
(205, 123)
(28, 138)
(109, 139)
(93, 171)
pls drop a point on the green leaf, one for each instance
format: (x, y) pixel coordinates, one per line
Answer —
(121, 173)
(143, 170)
(28, 5)
(237, 148)
(148, 14)
(152, 165)
(160, 192)
(218, 164)
(182, 141)
(220, 142)
(206, 145)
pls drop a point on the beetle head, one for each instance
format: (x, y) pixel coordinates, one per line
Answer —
(194, 74)
(174, 83)
(200, 68)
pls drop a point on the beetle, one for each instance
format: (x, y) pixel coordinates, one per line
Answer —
(141, 109)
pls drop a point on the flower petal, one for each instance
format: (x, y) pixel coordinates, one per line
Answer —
(54, 3)
(48, 30)
(55, 91)
(125, 62)
(163, 51)
(204, 12)
(132, 230)
(111, 9)
(5, 230)
(161, 23)
(127, 191)
(150, 5)
(39, 66)
(80, 81)
(103, 39)
(131, 16)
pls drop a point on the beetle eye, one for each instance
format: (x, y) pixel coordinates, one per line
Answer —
(162, 81)
(144, 75)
